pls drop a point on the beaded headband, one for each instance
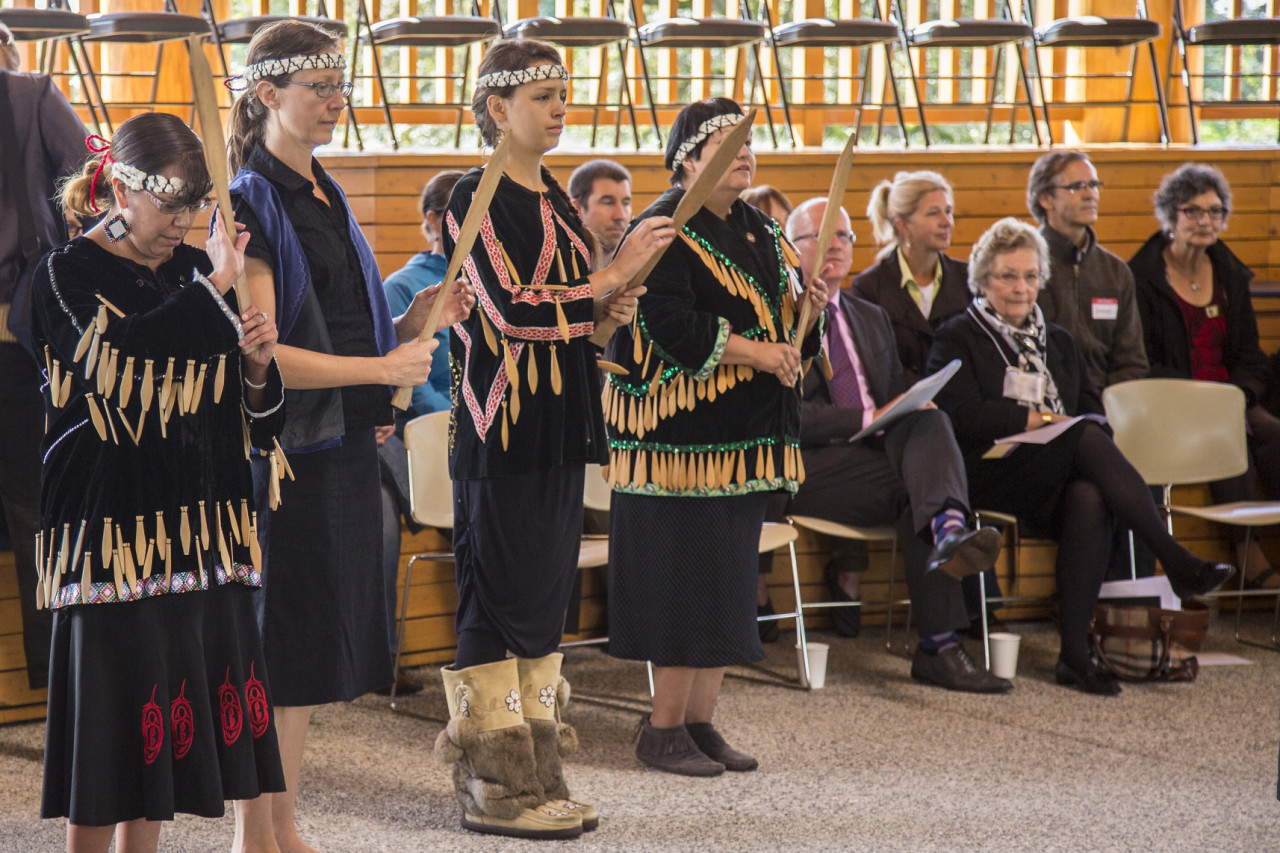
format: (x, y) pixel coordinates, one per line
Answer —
(131, 176)
(281, 67)
(704, 130)
(502, 79)
(136, 179)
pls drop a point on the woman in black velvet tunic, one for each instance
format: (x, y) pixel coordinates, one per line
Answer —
(704, 426)
(155, 387)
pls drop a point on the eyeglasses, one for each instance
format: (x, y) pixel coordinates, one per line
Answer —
(174, 208)
(1009, 279)
(845, 237)
(1196, 213)
(1080, 186)
(324, 90)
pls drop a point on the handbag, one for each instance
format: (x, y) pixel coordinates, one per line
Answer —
(1137, 643)
(19, 321)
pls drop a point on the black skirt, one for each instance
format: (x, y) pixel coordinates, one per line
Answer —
(515, 545)
(682, 579)
(324, 609)
(156, 707)
(1029, 482)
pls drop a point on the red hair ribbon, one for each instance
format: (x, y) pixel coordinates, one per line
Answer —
(97, 144)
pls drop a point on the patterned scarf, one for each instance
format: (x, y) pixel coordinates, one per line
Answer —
(1030, 343)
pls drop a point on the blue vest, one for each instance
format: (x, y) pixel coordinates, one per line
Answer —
(313, 419)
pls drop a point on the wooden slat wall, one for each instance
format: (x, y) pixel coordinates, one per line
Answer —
(989, 184)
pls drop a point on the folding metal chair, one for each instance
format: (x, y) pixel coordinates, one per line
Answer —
(707, 38)
(1230, 34)
(598, 33)
(414, 33)
(141, 28)
(1091, 31)
(994, 34)
(861, 34)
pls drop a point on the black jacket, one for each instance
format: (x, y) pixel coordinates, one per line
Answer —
(1165, 331)
(821, 422)
(881, 284)
(974, 398)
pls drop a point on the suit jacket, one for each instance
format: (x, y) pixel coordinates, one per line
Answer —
(882, 285)
(974, 398)
(50, 147)
(822, 422)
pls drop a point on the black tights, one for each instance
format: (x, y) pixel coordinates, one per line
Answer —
(477, 646)
(1103, 485)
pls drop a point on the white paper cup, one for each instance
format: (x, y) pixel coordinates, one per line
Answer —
(1004, 654)
(817, 664)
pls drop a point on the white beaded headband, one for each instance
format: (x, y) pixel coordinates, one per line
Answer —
(704, 130)
(502, 79)
(281, 67)
(137, 180)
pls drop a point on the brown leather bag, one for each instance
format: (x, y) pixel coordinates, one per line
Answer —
(1148, 643)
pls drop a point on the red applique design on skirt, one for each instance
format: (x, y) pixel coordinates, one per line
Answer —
(255, 696)
(152, 729)
(182, 722)
(231, 714)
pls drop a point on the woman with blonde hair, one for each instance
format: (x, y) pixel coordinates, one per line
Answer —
(912, 219)
(913, 280)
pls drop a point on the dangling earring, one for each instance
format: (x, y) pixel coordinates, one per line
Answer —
(116, 228)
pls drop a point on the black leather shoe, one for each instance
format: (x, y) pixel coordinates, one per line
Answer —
(1095, 679)
(846, 620)
(1200, 578)
(965, 552)
(955, 670)
(768, 630)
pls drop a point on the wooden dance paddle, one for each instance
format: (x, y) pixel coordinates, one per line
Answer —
(215, 147)
(697, 194)
(461, 248)
(827, 231)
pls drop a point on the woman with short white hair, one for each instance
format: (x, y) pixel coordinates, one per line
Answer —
(1020, 373)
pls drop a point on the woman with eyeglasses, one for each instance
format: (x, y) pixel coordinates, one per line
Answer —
(156, 383)
(1019, 373)
(1198, 323)
(323, 609)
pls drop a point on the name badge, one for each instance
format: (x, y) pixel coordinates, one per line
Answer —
(1211, 311)
(1105, 309)
(1024, 387)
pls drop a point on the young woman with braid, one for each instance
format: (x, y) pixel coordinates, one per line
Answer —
(527, 420)
(324, 615)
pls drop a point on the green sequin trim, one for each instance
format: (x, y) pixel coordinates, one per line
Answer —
(717, 353)
(750, 487)
(655, 447)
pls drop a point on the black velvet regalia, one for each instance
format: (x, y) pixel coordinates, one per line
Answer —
(682, 423)
(526, 414)
(147, 546)
(696, 445)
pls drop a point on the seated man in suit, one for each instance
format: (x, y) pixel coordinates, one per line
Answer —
(912, 474)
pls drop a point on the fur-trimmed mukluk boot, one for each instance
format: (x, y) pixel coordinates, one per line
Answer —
(545, 695)
(494, 774)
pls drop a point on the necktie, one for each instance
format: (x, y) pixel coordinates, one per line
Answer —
(844, 379)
